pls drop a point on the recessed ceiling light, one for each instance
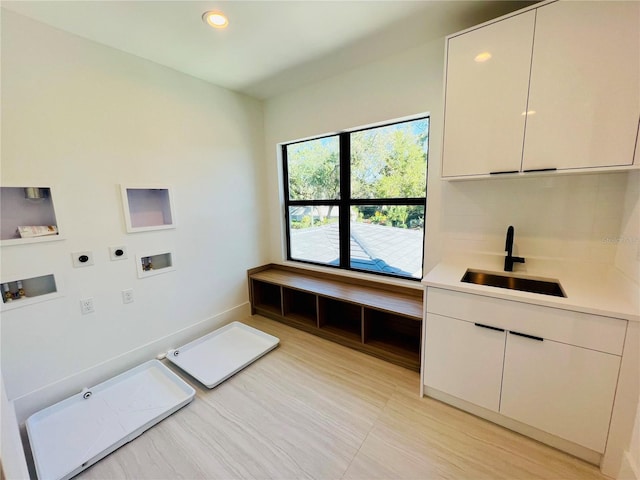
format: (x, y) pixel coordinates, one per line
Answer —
(215, 19)
(482, 57)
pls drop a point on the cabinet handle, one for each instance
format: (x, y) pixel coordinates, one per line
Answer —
(550, 169)
(502, 173)
(489, 327)
(527, 336)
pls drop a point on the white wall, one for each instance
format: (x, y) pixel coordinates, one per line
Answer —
(391, 88)
(628, 261)
(628, 254)
(86, 118)
(573, 217)
(13, 464)
(630, 468)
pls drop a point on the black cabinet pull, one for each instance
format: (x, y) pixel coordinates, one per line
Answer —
(550, 169)
(502, 173)
(527, 336)
(489, 327)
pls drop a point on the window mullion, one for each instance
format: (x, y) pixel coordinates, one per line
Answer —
(293, 203)
(345, 196)
(388, 201)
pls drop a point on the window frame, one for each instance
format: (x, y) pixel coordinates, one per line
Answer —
(345, 202)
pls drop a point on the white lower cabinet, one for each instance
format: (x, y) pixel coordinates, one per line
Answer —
(551, 369)
(465, 360)
(565, 390)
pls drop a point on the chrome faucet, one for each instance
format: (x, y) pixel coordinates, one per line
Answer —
(509, 260)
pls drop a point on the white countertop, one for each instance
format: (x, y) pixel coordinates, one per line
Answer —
(588, 288)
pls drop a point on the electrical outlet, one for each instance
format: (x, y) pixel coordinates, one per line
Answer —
(118, 253)
(82, 259)
(86, 305)
(127, 296)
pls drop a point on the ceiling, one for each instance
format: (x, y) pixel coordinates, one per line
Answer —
(270, 47)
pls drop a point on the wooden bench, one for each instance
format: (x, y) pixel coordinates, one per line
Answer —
(376, 318)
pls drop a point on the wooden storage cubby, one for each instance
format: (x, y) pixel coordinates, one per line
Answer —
(300, 306)
(391, 332)
(267, 298)
(341, 318)
(377, 318)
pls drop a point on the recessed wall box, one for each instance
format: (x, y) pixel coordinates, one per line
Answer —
(154, 263)
(28, 215)
(147, 208)
(28, 289)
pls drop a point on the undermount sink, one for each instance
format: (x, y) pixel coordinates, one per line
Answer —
(544, 287)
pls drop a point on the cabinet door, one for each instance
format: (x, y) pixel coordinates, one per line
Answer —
(486, 97)
(464, 360)
(585, 85)
(561, 389)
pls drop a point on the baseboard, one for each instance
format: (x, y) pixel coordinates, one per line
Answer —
(32, 402)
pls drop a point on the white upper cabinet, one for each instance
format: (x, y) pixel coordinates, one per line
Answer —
(561, 90)
(585, 86)
(486, 97)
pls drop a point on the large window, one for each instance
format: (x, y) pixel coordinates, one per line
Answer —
(356, 200)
